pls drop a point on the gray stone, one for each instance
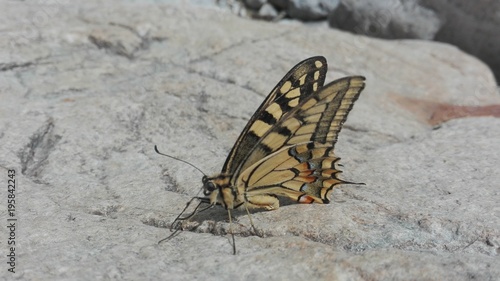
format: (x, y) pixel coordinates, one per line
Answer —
(88, 88)
(281, 4)
(311, 10)
(386, 19)
(255, 4)
(306, 10)
(267, 11)
(471, 25)
(474, 26)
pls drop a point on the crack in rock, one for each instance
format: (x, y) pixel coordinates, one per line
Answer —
(145, 39)
(170, 183)
(222, 228)
(14, 65)
(116, 46)
(107, 211)
(37, 151)
(7, 66)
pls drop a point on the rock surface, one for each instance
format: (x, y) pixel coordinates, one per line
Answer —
(471, 25)
(390, 19)
(88, 89)
(474, 26)
(306, 10)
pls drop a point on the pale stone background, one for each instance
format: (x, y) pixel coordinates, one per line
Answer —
(88, 88)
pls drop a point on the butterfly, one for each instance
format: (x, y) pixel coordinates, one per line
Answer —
(286, 149)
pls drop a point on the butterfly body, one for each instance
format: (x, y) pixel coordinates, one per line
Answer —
(286, 149)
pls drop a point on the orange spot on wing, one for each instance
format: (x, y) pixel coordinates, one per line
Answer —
(302, 166)
(306, 178)
(306, 199)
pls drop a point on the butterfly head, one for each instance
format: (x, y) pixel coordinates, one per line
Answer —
(220, 191)
(209, 185)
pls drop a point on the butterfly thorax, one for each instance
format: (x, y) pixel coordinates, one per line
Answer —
(219, 190)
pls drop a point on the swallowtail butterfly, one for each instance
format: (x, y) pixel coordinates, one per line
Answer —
(286, 149)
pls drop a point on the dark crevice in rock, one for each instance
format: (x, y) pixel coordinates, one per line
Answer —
(107, 211)
(145, 40)
(14, 65)
(218, 52)
(170, 183)
(37, 151)
(235, 45)
(155, 222)
(117, 47)
(213, 75)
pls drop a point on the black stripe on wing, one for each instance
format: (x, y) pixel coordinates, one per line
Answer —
(318, 118)
(299, 83)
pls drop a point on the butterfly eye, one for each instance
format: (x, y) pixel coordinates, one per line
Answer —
(209, 186)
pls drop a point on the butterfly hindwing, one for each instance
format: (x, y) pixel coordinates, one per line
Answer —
(306, 173)
(301, 81)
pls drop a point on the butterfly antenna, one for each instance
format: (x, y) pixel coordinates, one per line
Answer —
(175, 158)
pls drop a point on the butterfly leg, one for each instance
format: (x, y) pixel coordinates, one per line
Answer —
(231, 230)
(179, 218)
(175, 226)
(258, 233)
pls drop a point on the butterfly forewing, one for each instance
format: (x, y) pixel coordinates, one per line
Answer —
(303, 168)
(300, 82)
(317, 118)
(326, 111)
